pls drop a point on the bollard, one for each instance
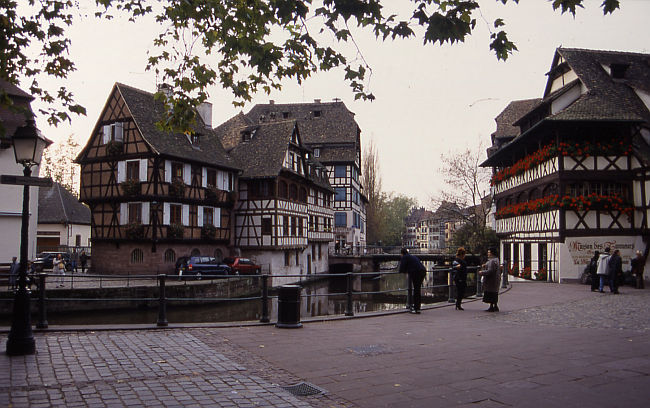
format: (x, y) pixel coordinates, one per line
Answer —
(452, 292)
(42, 311)
(289, 307)
(504, 281)
(348, 308)
(162, 302)
(265, 299)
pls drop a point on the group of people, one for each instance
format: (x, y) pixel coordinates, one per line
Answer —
(489, 274)
(58, 269)
(608, 268)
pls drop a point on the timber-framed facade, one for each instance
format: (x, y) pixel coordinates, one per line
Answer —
(576, 178)
(283, 217)
(153, 195)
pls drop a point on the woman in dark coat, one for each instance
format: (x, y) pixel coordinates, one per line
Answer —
(491, 281)
(460, 276)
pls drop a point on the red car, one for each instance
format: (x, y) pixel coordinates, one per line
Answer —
(242, 266)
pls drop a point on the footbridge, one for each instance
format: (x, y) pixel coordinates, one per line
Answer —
(371, 262)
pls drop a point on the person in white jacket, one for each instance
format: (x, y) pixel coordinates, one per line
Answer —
(602, 269)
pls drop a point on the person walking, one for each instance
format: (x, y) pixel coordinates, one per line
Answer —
(601, 269)
(13, 273)
(638, 264)
(615, 270)
(593, 268)
(490, 273)
(83, 258)
(460, 276)
(416, 272)
(74, 260)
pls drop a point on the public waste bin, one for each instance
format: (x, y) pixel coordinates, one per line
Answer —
(289, 307)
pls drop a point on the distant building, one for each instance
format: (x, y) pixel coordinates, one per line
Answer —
(573, 174)
(11, 196)
(62, 220)
(428, 231)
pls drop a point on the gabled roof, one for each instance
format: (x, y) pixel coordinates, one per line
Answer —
(507, 118)
(320, 122)
(146, 111)
(11, 119)
(264, 153)
(56, 205)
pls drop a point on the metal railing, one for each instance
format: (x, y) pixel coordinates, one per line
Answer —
(44, 295)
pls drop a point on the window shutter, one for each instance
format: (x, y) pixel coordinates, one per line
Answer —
(200, 215)
(217, 217)
(119, 131)
(187, 174)
(143, 169)
(186, 215)
(106, 134)
(165, 213)
(145, 213)
(121, 171)
(124, 213)
(204, 177)
(168, 171)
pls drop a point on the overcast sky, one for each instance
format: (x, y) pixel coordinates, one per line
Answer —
(430, 99)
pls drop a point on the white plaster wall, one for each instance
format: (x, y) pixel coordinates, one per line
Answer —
(11, 207)
(68, 233)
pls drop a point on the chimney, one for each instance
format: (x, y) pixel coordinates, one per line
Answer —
(165, 89)
(316, 100)
(271, 102)
(205, 112)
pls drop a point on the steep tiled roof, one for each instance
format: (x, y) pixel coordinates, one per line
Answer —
(146, 111)
(229, 131)
(263, 154)
(56, 205)
(418, 214)
(506, 119)
(320, 122)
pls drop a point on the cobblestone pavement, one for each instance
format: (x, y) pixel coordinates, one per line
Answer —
(550, 346)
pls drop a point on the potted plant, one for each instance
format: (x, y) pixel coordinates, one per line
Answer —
(211, 194)
(114, 148)
(208, 231)
(177, 188)
(175, 231)
(130, 187)
(135, 230)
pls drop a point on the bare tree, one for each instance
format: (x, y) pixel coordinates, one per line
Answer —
(371, 180)
(469, 190)
(58, 163)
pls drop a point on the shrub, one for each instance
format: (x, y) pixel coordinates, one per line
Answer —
(175, 231)
(135, 231)
(177, 188)
(130, 187)
(208, 231)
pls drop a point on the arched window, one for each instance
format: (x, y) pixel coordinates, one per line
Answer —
(170, 256)
(195, 252)
(137, 256)
(293, 192)
(282, 189)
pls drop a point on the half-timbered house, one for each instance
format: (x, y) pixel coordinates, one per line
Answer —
(331, 132)
(154, 195)
(283, 217)
(575, 178)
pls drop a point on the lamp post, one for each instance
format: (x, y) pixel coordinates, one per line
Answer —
(28, 147)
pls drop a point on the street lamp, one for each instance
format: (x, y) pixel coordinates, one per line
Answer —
(28, 148)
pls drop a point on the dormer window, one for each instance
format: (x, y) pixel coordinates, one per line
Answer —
(618, 70)
(285, 115)
(195, 138)
(317, 114)
(317, 152)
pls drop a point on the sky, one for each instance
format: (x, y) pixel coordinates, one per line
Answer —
(431, 100)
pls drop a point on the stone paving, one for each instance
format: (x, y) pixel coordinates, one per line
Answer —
(550, 346)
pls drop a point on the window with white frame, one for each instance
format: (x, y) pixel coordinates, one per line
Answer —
(113, 132)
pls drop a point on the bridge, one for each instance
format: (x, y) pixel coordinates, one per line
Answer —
(371, 262)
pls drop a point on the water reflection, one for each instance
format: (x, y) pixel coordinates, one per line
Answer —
(323, 297)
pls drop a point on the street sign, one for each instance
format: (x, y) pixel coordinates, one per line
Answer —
(26, 181)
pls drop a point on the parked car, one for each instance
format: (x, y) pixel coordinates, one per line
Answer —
(243, 266)
(45, 260)
(199, 266)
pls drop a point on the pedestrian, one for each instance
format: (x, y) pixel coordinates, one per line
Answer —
(615, 270)
(602, 269)
(13, 273)
(83, 258)
(638, 264)
(416, 272)
(74, 258)
(58, 269)
(593, 268)
(491, 276)
(460, 276)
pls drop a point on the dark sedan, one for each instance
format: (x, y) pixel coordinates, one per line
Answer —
(199, 266)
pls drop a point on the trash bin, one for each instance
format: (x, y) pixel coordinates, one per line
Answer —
(289, 307)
